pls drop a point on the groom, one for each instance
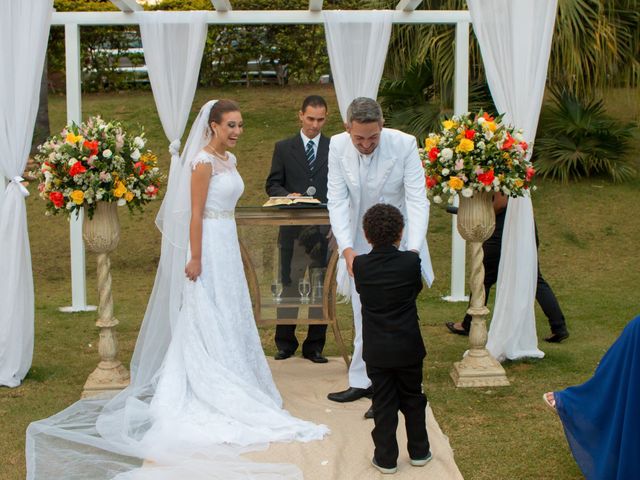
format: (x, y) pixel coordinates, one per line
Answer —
(369, 164)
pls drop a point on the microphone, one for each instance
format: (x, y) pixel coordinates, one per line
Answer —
(310, 191)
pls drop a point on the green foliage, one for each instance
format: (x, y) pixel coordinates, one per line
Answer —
(578, 139)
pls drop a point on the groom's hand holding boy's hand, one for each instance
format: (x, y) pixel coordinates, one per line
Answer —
(349, 254)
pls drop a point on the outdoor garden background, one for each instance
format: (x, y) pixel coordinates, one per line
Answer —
(586, 211)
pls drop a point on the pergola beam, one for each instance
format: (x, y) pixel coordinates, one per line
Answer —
(222, 5)
(315, 5)
(249, 17)
(127, 6)
(408, 5)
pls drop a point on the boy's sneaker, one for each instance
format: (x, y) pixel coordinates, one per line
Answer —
(382, 469)
(421, 462)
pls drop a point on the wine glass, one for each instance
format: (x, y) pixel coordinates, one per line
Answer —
(304, 289)
(276, 291)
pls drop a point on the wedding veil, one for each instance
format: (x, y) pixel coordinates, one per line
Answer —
(103, 438)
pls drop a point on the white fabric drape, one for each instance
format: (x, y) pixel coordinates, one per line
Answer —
(515, 42)
(24, 32)
(173, 54)
(357, 44)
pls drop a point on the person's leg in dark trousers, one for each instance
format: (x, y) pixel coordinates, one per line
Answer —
(286, 340)
(385, 415)
(548, 301)
(413, 404)
(317, 334)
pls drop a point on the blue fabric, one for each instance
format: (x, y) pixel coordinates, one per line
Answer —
(601, 418)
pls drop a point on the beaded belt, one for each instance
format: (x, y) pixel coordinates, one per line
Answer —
(217, 214)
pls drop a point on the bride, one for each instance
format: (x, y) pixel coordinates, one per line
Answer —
(201, 392)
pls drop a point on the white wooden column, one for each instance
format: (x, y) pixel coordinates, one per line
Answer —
(460, 105)
(74, 114)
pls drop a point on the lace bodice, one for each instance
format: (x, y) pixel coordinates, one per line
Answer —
(226, 185)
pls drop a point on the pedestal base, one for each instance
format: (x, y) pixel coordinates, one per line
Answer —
(109, 381)
(479, 371)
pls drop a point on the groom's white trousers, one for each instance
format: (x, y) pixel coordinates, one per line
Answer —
(357, 370)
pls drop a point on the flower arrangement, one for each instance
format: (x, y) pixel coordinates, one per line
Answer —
(476, 152)
(96, 161)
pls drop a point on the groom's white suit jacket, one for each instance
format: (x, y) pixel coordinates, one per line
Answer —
(399, 182)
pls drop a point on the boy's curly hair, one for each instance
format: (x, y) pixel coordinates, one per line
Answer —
(383, 224)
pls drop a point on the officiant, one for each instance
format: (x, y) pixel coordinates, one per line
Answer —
(299, 168)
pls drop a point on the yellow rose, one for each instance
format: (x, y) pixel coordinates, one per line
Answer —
(489, 126)
(77, 196)
(465, 145)
(128, 196)
(120, 189)
(456, 183)
(448, 124)
(519, 183)
(149, 158)
(431, 142)
(73, 138)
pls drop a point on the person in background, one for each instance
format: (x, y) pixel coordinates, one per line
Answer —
(600, 417)
(299, 167)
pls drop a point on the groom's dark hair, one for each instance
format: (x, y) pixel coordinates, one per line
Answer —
(383, 224)
(314, 101)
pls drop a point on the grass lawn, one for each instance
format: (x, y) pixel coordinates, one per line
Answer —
(588, 254)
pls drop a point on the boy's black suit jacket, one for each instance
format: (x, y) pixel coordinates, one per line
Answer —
(388, 281)
(290, 170)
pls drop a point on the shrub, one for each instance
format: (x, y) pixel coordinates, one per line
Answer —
(576, 138)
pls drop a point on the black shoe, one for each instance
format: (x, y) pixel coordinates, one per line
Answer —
(282, 355)
(557, 337)
(369, 413)
(452, 328)
(316, 357)
(350, 394)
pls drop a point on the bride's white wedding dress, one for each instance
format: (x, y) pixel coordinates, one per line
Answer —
(210, 398)
(215, 385)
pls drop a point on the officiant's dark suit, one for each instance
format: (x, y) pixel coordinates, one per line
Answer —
(298, 163)
(388, 281)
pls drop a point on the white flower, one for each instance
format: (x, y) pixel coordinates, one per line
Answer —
(107, 153)
(437, 199)
(138, 142)
(72, 161)
(446, 153)
(467, 192)
(488, 134)
(122, 202)
(496, 181)
(481, 120)
(445, 172)
(459, 164)
(135, 155)
(481, 145)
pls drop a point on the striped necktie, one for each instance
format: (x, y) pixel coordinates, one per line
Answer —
(311, 156)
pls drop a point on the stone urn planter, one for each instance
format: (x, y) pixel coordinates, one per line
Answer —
(476, 222)
(101, 235)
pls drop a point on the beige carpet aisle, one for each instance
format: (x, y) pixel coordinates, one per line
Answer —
(346, 453)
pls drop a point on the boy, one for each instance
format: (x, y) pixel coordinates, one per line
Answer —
(388, 281)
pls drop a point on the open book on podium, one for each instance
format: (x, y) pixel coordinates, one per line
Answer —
(281, 201)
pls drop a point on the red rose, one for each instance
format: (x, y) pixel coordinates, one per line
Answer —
(486, 178)
(433, 154)
(76, 169)
(524, 145)
(469, 134)
(431, 182)
(57, 198)
(139, 167)
(508, 143)
(92, 146)
(530, 173)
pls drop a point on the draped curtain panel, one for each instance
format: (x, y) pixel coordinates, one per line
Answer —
(357, 44)
(173, 54)
(24, 32)
(515, 42)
